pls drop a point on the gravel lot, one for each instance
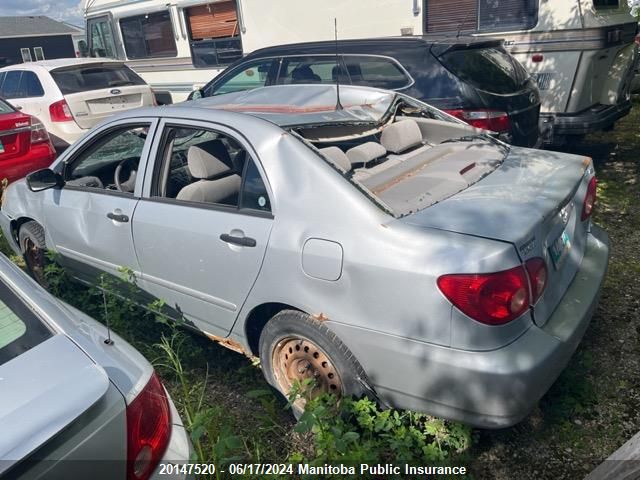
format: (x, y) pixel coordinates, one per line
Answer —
(593, 407)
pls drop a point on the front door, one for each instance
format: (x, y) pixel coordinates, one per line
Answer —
(202, 232)
(89, 219)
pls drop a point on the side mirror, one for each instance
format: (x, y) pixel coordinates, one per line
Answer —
(196, 94)
(43, 180)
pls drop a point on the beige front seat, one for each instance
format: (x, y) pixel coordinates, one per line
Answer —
(217, 183)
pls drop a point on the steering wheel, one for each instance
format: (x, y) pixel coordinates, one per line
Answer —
(125, 186)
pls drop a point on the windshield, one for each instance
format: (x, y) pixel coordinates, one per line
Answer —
(490, 69)
(20, 329)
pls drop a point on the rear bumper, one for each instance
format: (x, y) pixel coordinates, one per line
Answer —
(598, 117)
(488, 389)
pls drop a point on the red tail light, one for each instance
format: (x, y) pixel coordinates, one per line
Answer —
(38, 132)
(637, 40)
(148, 430)
(490, 298)
(486, 119)
(537, 270)
(589, 199)
(60, 112)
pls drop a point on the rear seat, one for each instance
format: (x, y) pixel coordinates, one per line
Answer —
(401, 140)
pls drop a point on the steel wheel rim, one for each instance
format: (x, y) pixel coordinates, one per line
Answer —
(296, 359)
(34, 259)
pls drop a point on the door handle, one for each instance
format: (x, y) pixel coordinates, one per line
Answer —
(241, 241)
(118, 217)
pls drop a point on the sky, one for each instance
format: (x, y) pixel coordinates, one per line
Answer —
(65, 10)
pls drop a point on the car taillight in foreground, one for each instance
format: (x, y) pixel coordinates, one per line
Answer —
(38, 132)
(589, 199)
(637, 39)
(493, 120)
(496, 298)
(148, 430)
(60, 111)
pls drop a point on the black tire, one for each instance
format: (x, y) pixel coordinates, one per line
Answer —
(34, 250)
(291, 328)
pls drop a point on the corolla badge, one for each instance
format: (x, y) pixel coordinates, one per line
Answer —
(115, 91)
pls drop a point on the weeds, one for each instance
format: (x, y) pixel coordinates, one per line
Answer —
(348, 431)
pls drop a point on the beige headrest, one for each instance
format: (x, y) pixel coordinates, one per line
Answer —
(337, 157)
(401, 136)
(206, 160)
(366, 152)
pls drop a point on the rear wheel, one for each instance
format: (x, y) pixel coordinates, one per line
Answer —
(294, 347)
(34, 250)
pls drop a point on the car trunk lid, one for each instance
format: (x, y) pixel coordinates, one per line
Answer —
(533, 201)
(96, 91)
(43, 390)
(15, 134)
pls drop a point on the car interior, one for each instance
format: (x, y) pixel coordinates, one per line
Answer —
(406, 156)
(203, 166)
(111, 163)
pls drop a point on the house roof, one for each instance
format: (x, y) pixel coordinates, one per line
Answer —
(33, 26)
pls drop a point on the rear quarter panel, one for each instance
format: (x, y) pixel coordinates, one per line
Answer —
(389, 269)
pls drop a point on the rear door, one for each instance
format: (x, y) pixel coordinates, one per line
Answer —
(95, 91)
(202, 231)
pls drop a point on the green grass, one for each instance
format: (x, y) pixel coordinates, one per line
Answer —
(232, 414)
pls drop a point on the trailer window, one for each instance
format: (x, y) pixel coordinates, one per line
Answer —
(606, 3)
(101, 38)
(507, 15)
(214, 34)
(148, 36)
(446, 16)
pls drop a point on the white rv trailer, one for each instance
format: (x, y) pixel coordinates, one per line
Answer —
(581, 51)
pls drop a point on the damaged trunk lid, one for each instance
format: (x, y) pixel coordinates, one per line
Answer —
(534, 201)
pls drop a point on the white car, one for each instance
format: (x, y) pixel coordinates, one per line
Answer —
(71, 95)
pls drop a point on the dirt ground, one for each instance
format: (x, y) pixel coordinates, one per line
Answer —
(593, 407)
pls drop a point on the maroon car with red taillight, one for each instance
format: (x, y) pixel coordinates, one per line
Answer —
(24, 144)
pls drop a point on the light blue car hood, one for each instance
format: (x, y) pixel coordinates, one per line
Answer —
(41, 392)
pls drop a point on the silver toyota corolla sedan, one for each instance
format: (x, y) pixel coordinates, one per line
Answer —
(373, 244)
(71, 405)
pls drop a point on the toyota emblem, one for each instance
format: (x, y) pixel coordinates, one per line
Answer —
(115, 91)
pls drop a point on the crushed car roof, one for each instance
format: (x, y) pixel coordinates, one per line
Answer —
(289, 105)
